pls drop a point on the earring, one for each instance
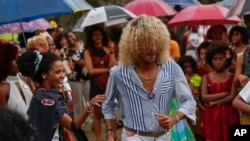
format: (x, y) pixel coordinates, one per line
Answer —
(44, 77)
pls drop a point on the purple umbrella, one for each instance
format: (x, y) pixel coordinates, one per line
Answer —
(38, 24)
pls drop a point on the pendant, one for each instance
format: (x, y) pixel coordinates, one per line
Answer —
(25, 86)
(102, 62)
(151, 96)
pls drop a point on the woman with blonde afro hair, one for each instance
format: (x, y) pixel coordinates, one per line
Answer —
(38, 43)
(137, 35)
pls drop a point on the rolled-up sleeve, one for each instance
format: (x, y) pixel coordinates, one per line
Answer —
(109, 106)
(244, 93)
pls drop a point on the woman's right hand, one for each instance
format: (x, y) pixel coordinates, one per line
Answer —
(97, 101)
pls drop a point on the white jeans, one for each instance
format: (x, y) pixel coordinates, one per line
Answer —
(137, 137)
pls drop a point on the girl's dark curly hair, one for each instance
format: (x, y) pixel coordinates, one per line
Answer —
(242, 30)
(188, 59)
(27, 66)
(219, 48)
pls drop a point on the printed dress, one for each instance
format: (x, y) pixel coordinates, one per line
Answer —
(217, 119)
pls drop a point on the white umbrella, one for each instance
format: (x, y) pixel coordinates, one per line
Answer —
(225, 3)
(109, 15)
(239, 8)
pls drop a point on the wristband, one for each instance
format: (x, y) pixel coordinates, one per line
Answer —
(89, 108)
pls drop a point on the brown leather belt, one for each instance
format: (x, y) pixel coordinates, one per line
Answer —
(148, 134)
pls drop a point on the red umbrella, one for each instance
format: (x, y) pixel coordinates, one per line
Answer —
(150, 7)
(202, 15)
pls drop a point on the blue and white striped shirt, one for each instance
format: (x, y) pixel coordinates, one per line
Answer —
(137, 110)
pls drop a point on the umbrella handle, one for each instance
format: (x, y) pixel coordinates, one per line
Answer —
(24, 39)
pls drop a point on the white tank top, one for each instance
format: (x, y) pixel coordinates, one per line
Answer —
(16, 102)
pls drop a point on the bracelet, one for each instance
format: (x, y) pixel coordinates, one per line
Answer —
(89, 108)
(177, 118)
(111, 129)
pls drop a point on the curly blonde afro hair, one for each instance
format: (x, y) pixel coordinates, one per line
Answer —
(144, 31)
(36, 41)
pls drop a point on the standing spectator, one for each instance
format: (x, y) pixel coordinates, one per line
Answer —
(145, 82)
(74, 64)
(99, 59)
(217, 33)
(189, 67)
(218, 92)
(38, 43)
(115, 36)
(190, 41)
(203, 66)
(15, 94)
(174, 50)
(60, 42)
(238, 37)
